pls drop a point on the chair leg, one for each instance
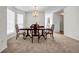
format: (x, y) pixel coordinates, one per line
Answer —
(38, 39)
(32, 39)
(46, 35)
(52, 36)
(24, 35)
(17, 36)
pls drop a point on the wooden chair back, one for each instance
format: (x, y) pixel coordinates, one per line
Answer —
(51, 31)
(52, 27)
(17, 28)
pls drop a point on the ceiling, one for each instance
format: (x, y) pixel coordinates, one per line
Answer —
(40, 8)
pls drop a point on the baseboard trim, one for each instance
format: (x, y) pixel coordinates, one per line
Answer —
(71, 37)
(3, 49)
(11, 36)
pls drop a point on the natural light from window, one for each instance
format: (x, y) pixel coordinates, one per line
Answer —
(10, 21)
(20, 20)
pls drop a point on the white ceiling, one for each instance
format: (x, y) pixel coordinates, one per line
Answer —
(40, 8)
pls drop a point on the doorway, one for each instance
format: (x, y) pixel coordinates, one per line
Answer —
(62, 24)
(58, 20)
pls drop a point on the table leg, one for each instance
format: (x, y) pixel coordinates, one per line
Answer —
(28, 34)
(43, 34)
(32, 36)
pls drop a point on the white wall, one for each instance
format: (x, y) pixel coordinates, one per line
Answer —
(71, 22)
(32, 20)
(25, 19)
(56, 22)
(3, 27)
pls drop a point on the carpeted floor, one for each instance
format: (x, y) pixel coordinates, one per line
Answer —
(60, 44)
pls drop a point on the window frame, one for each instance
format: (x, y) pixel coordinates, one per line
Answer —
(20, 14)
(13, 20)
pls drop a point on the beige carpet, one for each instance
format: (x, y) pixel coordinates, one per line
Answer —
(60, 44)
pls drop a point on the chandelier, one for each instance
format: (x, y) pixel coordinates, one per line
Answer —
(35, 11)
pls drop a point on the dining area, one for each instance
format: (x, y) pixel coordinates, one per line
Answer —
(35, 30)
(30, 32)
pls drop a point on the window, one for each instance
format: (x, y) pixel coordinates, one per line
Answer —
(20, 20)
(10, 21)
(48, 22)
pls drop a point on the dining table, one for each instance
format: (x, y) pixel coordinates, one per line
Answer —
(27, 30)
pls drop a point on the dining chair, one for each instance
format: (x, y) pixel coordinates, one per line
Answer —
(35, 32)
(51, 31)
(34, 26)
(18, 32)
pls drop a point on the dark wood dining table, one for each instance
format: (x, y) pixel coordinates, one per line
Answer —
(26, 30)
(33, 29)
(39, 29)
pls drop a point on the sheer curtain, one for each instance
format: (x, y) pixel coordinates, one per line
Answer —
(10, 21)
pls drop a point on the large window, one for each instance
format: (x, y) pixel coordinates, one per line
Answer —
(10, 21)
(48, 22)
(20, 20)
